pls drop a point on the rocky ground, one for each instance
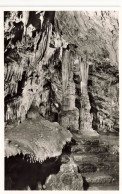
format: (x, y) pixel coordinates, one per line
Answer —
(96, 162)
(85, 164)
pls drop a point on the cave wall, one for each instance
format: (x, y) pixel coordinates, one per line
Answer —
(103, 89)
(64, 67)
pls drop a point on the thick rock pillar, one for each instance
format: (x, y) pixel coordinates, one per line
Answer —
(69, 117)
(85, 116)
(68, 85)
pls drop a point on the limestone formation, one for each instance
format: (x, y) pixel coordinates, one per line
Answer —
(56, 66)
(61, 79)
(37, 139)
(68, 178)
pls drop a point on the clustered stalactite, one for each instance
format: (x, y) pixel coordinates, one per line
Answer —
(33, 85)
(36, 63)
(47, 68)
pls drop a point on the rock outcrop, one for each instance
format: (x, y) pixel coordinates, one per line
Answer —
(68, 178)
(38, 140)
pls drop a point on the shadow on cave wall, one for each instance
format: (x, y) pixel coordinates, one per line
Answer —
(93, 111)
(93, 108)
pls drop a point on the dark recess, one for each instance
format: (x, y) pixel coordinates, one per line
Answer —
(21, 173)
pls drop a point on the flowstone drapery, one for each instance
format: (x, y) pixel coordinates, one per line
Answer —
(38, 139)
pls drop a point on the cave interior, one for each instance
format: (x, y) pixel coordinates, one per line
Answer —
(61, 88)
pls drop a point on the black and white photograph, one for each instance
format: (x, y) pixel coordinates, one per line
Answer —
(61, 99)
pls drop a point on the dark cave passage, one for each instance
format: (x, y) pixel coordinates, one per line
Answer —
(21, 174)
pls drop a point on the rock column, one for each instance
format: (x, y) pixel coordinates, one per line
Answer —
(69, 114)
(85, 116)
(68, 85)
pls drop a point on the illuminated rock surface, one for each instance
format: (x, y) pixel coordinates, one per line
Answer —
(38, 139)
(68, 178)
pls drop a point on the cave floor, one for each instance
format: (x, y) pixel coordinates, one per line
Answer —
(97, 164)
(97, 159)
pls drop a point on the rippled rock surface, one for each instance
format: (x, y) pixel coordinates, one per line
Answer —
(37, 139)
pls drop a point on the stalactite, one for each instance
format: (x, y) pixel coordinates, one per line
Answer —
(52, 50)
(49, 32)
(25, 18)
(44, 43)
